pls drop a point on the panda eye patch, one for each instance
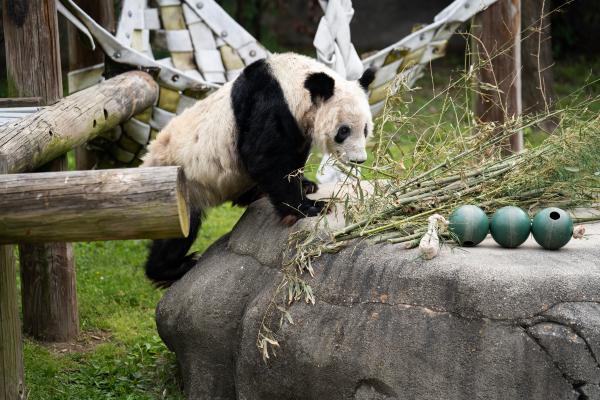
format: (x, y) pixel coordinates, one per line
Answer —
(342, 133)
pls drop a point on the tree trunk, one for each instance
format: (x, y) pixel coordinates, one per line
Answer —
(497, 35)
(134, 203)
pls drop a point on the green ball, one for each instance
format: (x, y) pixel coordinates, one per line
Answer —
(552, 228)
(469, 224)
(510, 226)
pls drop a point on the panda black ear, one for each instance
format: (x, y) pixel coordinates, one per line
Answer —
(367, 77)
(320, 85)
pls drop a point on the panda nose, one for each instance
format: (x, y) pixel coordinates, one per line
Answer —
(357, 161)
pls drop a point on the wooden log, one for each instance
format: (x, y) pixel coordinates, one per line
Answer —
(497, 43)
(41, 137)
(70, 206)
(11, 348)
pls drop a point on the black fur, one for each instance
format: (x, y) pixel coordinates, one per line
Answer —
(167, 261)
(309, 186)
(248, 197)
(342, 134)
(320, 85)
(271, 145)
(367, 77)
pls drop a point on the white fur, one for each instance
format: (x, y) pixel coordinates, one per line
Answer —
(349, 105)
(202, 138)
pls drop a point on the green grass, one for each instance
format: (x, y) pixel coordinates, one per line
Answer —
(116, 302)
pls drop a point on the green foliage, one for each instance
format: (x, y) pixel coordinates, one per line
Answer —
(143, 369)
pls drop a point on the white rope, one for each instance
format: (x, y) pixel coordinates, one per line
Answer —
(335, 49)
(332, 40)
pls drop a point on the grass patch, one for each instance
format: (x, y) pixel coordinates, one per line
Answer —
(115, 299)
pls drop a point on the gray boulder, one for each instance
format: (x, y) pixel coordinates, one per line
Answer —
(478, 323)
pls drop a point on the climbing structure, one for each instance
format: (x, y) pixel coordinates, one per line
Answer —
(196, 46)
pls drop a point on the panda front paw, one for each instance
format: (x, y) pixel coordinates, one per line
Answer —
(308, 208)
(308, 186)
(312, 208)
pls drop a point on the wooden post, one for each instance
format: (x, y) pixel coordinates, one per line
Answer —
(130, 203)
(81, 55)
(33, 69)
(497, 43)
(11, 347)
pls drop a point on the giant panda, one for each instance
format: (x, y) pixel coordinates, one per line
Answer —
(252, 136)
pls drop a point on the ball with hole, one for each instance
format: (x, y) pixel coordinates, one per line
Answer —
(510, 226)
(552, 228)
(469, 225)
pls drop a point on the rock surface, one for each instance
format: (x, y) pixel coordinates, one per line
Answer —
(477, 323)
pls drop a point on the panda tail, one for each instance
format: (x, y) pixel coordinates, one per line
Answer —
(167, 260)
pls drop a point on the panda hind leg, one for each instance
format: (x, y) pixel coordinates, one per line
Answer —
(168, 260)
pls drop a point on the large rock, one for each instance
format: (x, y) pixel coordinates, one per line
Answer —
(478, 323)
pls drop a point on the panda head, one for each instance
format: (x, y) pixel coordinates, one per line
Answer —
(342, 119)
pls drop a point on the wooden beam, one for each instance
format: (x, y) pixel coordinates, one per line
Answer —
(81, 55)
(41, 137)
(11, 347)
(497, 44)
(113, 204)
(20, 102)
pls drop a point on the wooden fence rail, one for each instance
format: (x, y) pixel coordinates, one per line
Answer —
(135, 203)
